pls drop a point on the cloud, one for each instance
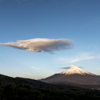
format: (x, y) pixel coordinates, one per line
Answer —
(35, 68)
(81, 57)
(29, 66)
(41, 44)
(69, 67)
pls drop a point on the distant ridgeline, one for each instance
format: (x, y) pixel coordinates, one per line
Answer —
(29, 89)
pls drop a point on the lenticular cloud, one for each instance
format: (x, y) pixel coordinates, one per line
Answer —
(41, 44)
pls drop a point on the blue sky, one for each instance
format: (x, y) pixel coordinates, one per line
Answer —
(78, 20)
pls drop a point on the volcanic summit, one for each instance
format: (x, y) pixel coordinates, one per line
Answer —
(74, 75)
(75, 70)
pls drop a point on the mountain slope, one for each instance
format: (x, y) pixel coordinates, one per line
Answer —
(74, 75)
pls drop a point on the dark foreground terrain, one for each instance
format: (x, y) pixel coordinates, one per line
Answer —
(27, 89)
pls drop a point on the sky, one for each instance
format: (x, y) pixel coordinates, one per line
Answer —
(49, 23)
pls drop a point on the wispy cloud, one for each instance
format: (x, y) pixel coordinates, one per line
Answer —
(81, 57)
(29, 66)
(69, 67)
(41, 44)
(35, 68)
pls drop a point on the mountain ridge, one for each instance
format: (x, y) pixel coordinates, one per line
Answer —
(74, 75)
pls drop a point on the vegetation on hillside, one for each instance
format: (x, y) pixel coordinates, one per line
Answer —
(26, 89)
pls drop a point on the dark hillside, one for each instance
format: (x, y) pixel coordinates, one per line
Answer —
(29, 89)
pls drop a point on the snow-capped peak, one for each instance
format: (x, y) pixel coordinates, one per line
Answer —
(74, 67)
(75, 70)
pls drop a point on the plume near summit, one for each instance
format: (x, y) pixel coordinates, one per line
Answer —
(41, 44)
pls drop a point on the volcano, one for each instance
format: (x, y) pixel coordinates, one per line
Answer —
(74, 75)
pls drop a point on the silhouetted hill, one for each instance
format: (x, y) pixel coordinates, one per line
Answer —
(30, 89)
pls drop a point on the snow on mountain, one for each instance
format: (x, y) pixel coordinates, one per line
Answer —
(75, 70)
(73, 75)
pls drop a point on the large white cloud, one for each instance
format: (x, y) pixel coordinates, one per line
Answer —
(41, 44)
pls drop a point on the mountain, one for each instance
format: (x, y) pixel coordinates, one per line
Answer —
(75, 70)
(73, 75)
(28, 89)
